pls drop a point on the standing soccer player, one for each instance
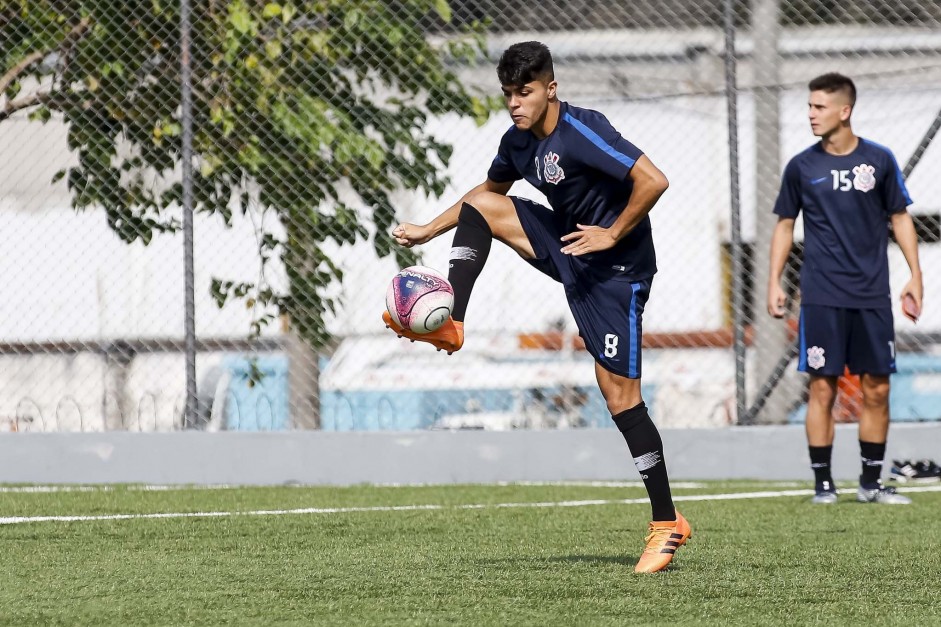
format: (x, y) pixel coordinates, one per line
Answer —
(596, 241)
(849, 189)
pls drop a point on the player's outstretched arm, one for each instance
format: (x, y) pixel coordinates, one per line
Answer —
(905, 235)
(781, 241)
(408, 235)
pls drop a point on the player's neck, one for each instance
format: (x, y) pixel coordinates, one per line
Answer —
(548, 122)
(841, 142)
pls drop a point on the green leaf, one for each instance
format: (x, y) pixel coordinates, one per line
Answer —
(240, 18)
(443, 9)
(271, 9)
(41, 113)
(287, 12)
(352, 19)
(273, 49)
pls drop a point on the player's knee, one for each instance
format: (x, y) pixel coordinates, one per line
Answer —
(472, 216)
(491, 206)
(875, 391)
(621, 399)
(823, 391)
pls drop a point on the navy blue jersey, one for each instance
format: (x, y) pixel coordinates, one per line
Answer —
(583, 168)
(847, 201)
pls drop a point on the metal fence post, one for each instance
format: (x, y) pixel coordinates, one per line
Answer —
(738, 291)
(189, 315)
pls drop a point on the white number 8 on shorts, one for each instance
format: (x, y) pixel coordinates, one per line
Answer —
(610, 345)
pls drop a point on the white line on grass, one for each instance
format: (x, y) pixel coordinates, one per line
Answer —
(49, 489)
(13, 520)
(678, 485)
(46, 489)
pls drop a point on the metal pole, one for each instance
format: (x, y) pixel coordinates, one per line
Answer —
(189, 315)
(922, 146)
(738, 287)
(770, 335)
(771, 383)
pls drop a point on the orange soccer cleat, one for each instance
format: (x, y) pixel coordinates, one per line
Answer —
(449, 337)
(664, 539)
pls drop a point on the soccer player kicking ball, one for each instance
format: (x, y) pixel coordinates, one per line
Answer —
(596, 241)
(849, 189)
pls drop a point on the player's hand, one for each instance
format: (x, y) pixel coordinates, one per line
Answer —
(588, 239)
(912, 294)
(408, 235)
(776, 300)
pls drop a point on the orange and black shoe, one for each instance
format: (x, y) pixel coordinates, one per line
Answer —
(449, 337)
(664, 539)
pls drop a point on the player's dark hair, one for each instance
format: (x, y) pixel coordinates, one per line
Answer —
(833, 82)
(524, 63)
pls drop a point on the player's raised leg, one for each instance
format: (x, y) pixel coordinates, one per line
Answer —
(482, 216)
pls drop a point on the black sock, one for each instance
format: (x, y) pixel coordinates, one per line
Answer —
(872, 454)
(646, 448)
(469, 253)
(820, 463)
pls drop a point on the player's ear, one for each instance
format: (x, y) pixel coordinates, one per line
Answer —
(845, 112)
(551, 89)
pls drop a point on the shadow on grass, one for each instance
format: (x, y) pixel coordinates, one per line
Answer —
(618, 560)
(627, 562)
(596, 559)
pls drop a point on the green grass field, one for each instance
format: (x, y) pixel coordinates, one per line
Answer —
(474, 555)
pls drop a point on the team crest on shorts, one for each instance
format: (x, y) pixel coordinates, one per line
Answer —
(815, 358)
(865, 177)
(553, 172)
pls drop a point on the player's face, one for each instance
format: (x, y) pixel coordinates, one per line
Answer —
(528, 103)
(827, 112)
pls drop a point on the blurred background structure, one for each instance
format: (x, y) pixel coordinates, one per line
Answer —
(314, 127)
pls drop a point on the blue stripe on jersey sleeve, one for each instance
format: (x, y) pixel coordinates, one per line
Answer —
(898, 172)
(594, 138)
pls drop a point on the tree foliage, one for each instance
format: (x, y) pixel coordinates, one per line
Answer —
(293, 102)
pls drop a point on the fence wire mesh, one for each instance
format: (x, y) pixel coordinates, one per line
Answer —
(319, 125)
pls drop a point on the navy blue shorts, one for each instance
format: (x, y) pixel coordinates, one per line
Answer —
(834, 337)
(608, 308)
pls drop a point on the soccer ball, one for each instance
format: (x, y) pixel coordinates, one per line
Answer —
(419, 299)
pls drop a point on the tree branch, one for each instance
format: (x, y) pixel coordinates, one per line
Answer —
(68, 44)
(34, 57)
(24, 103)
(7, 79)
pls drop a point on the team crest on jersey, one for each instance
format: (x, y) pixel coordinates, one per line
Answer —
(865, 178)
(815, 358)
(553, 171)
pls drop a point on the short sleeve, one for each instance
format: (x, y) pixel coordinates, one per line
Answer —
(603, 148)
(894, 192)
(788, 204)
(502, 169)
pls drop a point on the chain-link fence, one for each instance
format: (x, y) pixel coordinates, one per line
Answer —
(316, 126)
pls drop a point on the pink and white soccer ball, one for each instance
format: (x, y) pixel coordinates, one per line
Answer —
(419, 299)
